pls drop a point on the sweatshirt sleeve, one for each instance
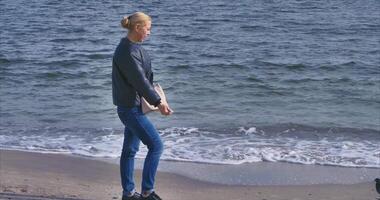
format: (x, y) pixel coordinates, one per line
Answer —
(131, 67)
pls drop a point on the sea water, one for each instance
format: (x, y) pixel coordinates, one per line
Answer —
(250, 81)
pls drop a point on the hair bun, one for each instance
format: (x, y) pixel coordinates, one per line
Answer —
(125, 22)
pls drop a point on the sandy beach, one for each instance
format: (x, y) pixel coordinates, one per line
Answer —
(25, 175)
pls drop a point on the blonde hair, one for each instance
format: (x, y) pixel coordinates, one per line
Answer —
(129, 22)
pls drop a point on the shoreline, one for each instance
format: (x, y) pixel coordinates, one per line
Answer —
(268, 173)
(264, 173)
(25, 174)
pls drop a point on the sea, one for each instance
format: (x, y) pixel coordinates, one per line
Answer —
(249, 81)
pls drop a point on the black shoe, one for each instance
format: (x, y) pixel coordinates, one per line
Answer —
(135, 196)
(152, 196)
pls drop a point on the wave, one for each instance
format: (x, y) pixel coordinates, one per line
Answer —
(94, 56)
(328, 66)
(52, 75)
(320, 79)
(289, 66)
(291, 143)
(67, 40)
(4, 61)
(255, 79)
(216, 20)
(255, 28)
(297, 66)
(57, 64)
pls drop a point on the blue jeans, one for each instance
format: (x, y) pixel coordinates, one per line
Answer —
(138, 127)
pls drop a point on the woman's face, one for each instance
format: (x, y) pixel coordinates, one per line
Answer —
(143, 31)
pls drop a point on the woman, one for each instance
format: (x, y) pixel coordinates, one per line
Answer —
(132, 79)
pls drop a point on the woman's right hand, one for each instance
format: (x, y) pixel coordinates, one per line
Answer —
(165, 109)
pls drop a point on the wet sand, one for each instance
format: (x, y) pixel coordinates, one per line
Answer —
(32, 176)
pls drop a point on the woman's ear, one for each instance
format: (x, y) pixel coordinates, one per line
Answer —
(138, 28)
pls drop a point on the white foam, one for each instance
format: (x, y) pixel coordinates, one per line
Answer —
(248, 131)
(194, 145)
